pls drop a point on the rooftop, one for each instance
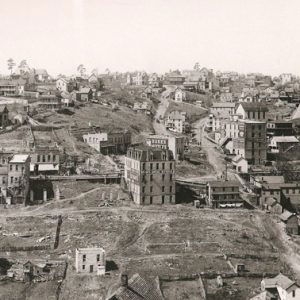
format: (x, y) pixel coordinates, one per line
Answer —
(285, 139)
(19, 158)
(223, 104)
(286, 215)
(254, 106)
(224, 183)
(280, 280)
(137, 289)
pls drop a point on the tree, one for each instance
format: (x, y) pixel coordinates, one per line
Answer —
(23, 66)
(81, 69)
(10, 64)
(95, 71)
(197, 66)
(23, 63)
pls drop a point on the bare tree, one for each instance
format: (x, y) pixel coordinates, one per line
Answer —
(81, 69)
(10, 64)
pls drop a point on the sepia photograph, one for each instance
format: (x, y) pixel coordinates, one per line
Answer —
(150, 150)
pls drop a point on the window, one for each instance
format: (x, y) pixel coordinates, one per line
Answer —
(143, 166)
(44, 158)
(11, 179)
(151, 199)
(163, 177)
(98, 257)
(10, 167)
(171, 176)
(170, 199)
(162, 188)
(151, 177)
(157, 166)
(49, 157)
(143, 199)
(171, 189)
(151, 189)
(83, 257)
(3, 180)
(162, 199)
(151, 165)
(294, 293)
(38, 158)
(143, 189)
(171, 166)
(17, 167)
(163, 166)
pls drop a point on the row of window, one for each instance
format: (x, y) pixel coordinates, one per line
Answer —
(225, 197)
(11, 168)
(258, 114)
(162, 199)
(46, 158)
(162, 189)
(225, 189)
(163, 177)
(286, 191)
(152, 165)
(84, 257)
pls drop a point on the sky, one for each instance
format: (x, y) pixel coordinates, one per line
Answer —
(152, 35)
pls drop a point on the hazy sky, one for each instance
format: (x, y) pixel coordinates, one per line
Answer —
(152, 35)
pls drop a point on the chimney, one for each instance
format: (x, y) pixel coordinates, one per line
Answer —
(124, 280)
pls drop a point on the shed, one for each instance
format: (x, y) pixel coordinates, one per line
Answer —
(291, 221)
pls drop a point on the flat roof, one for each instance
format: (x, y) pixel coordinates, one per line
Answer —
(224, 183)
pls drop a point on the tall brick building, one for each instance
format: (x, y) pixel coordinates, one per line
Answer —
(255, 142)
(150, 175)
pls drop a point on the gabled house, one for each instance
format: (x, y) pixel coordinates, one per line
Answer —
(85, 94)
(281, 287)
(179, 95)
(41, 75)
(291, 221)
(252, 111)
(177, 121)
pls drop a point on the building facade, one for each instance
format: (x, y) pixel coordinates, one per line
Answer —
(150, 175)
(223, 194)
(109, 142)
(90, 261)
(174, 143)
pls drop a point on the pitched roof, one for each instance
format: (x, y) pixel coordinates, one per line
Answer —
(280, 280)
(138, 289)
(19, 158)
(271, 201)
(254, 106)
(85, 90)
(296, 113)
(286, 215)
(3, 108)
(223, 104)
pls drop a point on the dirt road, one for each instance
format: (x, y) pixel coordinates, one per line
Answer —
(159, 126)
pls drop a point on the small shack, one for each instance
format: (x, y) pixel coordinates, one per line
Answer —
(291, 222)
